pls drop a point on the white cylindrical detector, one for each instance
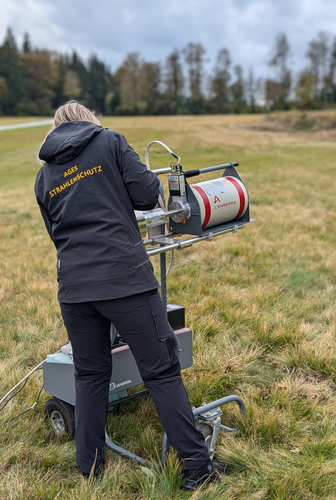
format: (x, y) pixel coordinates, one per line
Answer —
(220, 200)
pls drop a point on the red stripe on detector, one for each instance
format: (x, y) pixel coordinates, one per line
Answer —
(206, 202)
(241, 195)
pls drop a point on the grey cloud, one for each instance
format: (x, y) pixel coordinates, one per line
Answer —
(113, 28)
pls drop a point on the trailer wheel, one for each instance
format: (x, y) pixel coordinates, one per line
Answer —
(61, 416)
(207, 431)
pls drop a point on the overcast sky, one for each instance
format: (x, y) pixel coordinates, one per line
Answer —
(113, 28)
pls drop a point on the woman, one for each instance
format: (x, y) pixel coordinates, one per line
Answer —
(87, 190)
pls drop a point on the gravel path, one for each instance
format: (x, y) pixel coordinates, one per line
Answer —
(27, 124)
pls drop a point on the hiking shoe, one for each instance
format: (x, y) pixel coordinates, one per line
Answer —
(206, 474)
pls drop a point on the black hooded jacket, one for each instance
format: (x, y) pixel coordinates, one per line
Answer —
(87, 190)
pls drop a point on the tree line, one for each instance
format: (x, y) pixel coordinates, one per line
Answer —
(36, 82)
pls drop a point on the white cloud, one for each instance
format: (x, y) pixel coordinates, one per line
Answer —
(114, 28)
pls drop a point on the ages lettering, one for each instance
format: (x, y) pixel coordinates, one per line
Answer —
(70, 171)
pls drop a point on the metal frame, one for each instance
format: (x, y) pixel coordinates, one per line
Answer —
(210, 412)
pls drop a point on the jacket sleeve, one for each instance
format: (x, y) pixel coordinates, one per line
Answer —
(141, 184)
(46, 218)
(44, 212)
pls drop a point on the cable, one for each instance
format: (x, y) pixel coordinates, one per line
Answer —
(21, 381)
(25, 411)
(17, 392)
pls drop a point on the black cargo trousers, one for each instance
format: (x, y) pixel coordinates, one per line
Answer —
(142, 323)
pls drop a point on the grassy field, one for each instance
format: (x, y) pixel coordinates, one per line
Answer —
(261, 304)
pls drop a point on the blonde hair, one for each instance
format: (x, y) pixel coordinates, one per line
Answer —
(71, 111)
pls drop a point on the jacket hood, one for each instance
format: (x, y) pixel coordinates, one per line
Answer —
(67, 141)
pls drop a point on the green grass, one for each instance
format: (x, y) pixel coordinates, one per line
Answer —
(261, 304)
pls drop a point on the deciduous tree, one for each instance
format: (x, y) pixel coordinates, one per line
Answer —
(305, 89)
(194, 57)
(318, 55)
(150, 81)
(40, 73)
(219, 83)
(127, 79)
(173, 82)
(279, 87)
(237, 91)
